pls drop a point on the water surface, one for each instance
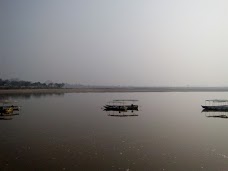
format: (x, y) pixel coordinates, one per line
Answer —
(72, 132)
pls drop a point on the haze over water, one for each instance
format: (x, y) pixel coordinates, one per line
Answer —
(72, 132)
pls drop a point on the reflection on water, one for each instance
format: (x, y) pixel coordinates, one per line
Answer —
(121, 113)
(8, 116)
(31, 95)
(117, 115)
(215, 114)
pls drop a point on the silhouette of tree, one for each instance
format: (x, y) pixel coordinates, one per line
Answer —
(14, 83)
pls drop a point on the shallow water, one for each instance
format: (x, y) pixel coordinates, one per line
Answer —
(72, 132)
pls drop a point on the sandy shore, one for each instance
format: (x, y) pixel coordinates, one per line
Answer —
(104, 90)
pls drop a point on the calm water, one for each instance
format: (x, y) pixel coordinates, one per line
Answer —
(71, 132)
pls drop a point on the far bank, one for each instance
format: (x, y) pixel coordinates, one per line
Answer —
(114, 89)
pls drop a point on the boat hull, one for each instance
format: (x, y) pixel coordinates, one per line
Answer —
(121, 108)
(216, 108)
(115, 108)
(15, 108)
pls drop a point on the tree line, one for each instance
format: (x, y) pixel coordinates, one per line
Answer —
(20, 84)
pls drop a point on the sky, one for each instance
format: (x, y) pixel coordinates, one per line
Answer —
(115, 42)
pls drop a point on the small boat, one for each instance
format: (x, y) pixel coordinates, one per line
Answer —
(8, 110)
(216, 105)
(15, 108)
(115, 108)
(5, 108)
(121, 105)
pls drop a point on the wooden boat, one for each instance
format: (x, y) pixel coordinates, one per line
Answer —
(216, 108)
(121, 105)
(216, 105)
(15, 108)
(5, 108)
(115, 108)
(8, 110)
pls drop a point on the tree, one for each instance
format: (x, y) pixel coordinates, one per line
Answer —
(16, 83)
(59, 85)
(50, 85)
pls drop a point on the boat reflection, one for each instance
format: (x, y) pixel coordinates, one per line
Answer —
(118, 115)
(6, 117)
(31, 95)
(215, 114)
(121, 112)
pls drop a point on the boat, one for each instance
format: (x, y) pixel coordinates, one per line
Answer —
(215, 105)
(115, 108)
(6, 108)
(15, 108)
(121, 105)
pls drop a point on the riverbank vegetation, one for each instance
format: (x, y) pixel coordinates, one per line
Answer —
(20, 84)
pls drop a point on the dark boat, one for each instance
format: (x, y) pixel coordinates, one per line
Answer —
(121, 105)
(216, 105)
(8, 107)
(115, 108)
(15, 108)
(216, 108)
(4, 110)
(132, 107)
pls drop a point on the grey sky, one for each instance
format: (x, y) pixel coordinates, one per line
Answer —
(115, 42)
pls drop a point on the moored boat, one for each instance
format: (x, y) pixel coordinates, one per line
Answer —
(115, 108)
(216, 105)
(7, 107)
(8, 110)
(121, 105)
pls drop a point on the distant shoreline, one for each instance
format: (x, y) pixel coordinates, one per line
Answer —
(114, 90)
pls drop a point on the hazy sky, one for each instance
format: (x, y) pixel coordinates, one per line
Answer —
(115, 42)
